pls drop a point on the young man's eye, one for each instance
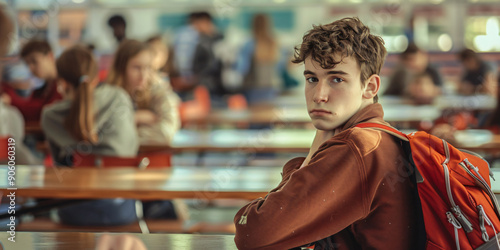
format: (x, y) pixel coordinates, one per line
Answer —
(337, 80)
(311, 79)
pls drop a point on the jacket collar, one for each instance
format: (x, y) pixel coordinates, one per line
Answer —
(372, 113)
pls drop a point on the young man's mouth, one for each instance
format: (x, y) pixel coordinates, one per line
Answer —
(319, 112)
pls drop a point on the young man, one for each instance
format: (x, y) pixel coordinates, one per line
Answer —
(37, 54)
(350, 191)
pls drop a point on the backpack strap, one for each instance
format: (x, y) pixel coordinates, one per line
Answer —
(385, 128)
(415, 178)
(398, 134)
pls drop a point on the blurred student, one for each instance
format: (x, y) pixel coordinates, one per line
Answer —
(421, 89)
(92, 119)
(6, 30)
(12, 122)
(414, 61)
(478, 77)
(195, 57)
(155, 104)
(259, 63)
(119, 26)
(491, 120)
(38, 55)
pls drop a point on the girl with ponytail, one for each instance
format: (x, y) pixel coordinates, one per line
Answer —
(92, 119)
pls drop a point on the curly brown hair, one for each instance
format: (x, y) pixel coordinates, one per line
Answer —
(345, 37)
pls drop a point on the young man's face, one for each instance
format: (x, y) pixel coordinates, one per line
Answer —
(333, 95)
(41, 65)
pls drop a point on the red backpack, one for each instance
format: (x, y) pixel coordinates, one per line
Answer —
(459, 209)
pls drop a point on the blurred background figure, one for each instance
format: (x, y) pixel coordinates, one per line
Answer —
(160, 55)
(12, 122)
(6, 30)
(119, 26)
(414, 61)
(422, 89)
(195, 58)
(156, 106)
(260, 62)
(30, 95)
(97, 116)
(478, 77)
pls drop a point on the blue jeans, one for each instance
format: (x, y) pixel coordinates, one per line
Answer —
(106, 212)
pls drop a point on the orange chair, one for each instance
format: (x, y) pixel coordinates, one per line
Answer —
(143, 160)
(237, 102)
(197, 108)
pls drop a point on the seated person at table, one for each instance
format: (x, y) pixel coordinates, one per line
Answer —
(156, 108)
(421, 89)
(414, 61)
(478, 77)
(340, 194)
(90, 120)
(38, 56)
(156, 105)
(491, 120)
(12, 124)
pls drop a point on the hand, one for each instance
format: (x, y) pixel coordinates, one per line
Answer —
(320, 137)
(120, 242)
(144, 116)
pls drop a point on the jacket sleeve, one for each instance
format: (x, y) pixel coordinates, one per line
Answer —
(290, 167)
(317, 201)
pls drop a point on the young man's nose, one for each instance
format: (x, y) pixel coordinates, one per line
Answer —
(321, 93)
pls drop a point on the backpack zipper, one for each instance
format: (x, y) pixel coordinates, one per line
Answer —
(466, 224)
(482, 218)
(483, 183)
(456, 225)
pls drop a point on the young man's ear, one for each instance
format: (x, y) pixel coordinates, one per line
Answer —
(372, 87)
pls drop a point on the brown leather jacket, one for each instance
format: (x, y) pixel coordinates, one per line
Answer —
(354, 194)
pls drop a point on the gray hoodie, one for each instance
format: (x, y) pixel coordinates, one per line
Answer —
(114, 122)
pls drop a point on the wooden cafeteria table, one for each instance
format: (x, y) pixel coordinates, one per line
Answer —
(72, 240)
(299, 115)
(290, 141)
(149, 184)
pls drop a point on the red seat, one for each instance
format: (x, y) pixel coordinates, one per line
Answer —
(4, 142)
(143, 160)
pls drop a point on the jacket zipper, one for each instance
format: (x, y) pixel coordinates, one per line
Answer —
(243, 218)
(466, 224)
